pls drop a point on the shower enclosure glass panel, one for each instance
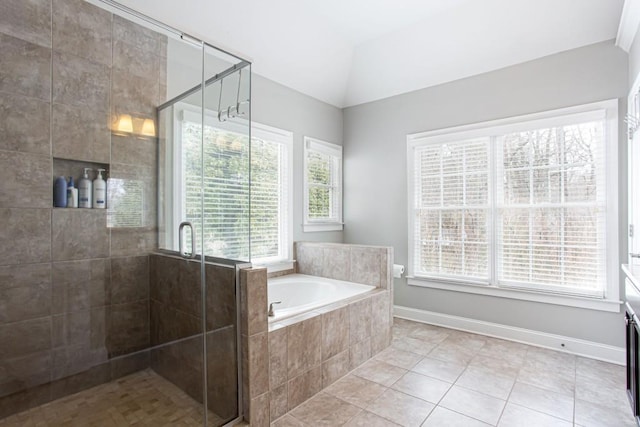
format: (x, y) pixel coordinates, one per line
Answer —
(204, 181)
(205, 153)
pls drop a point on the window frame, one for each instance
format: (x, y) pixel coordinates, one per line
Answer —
(610, 302)
(184, 111)
(323, 224)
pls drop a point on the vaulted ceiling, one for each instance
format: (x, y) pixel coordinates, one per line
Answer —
(348, 52)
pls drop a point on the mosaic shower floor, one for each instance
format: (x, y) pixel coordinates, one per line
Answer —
(140, 399)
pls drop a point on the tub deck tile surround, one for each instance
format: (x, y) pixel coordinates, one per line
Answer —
(255, 345)
(308, 352)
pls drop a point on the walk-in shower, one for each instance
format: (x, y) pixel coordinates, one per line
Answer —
(139, 300)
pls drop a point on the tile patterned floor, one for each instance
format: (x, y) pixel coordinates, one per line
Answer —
(436, 377)
(430, 377)
(141, 399)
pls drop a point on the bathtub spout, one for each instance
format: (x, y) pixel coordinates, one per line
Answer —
(271, 311)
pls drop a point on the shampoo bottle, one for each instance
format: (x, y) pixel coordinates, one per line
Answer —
(60, 192)
(99, 191)
(85, 190)
(72, 195)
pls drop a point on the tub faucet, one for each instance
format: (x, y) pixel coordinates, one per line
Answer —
(271, 311)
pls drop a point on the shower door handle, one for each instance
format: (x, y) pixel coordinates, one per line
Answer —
(181, 240)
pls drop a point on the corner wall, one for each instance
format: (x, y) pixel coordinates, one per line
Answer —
(375, 180)
(284, 108)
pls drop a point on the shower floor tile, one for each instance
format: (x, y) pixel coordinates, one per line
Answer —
(143, 398)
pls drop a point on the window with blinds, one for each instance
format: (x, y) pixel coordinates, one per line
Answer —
(519, 205)
(238, 222)
(451, 208)
(551, 213)
(323, 185)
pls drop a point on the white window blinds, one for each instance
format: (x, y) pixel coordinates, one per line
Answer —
(451, 209)
(229, 232)
(551, 208)
(520, 205)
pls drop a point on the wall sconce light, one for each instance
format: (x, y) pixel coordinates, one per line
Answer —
(148, 128)
(127, 124)
(124, 123)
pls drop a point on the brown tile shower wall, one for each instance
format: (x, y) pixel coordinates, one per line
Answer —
(176, 329)
(287, 362)
(73, 293)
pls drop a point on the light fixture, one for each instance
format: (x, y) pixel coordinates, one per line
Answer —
(125, 123)
(135, 125)
(148, 128)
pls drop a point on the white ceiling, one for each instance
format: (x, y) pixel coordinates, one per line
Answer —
(348, 52)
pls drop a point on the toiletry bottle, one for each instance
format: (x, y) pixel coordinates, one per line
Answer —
(72, 194)
(60, 192)
(85, 190)
(99, 191)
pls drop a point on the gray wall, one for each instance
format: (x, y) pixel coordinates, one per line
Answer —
(375, 171)
(634, 59)
(284, 108)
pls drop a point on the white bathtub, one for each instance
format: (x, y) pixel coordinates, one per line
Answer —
(299, 293)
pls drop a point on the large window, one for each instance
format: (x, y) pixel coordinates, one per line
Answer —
(322, 185)
(524, 203)
(227, 199)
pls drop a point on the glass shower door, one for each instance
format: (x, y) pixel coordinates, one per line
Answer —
(204, 219)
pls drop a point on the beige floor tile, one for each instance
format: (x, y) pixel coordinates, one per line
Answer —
(495, 365)
(287, 421)
(592, 415)
(507, 350)
(401, 408)
(413, 345)
(604, 389)
(442, 417)
(551, 403)
(549, 376)
(379, 372)
(467, 340)
(451, 352)
(473, 404)
(368, 419)
(422, 387)
(403, 327)
(431, 334)
(439, 369)
(356, 390)
(552, 358)
(400, 358)
(486, 382)
(325, 410)
(519, 416)
(597, 369)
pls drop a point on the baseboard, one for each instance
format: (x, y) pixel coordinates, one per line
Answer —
(561, 343)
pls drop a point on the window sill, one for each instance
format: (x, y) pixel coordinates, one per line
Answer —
(326, 226)
(609, 305)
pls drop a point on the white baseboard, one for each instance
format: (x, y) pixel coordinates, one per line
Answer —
(561, 343)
